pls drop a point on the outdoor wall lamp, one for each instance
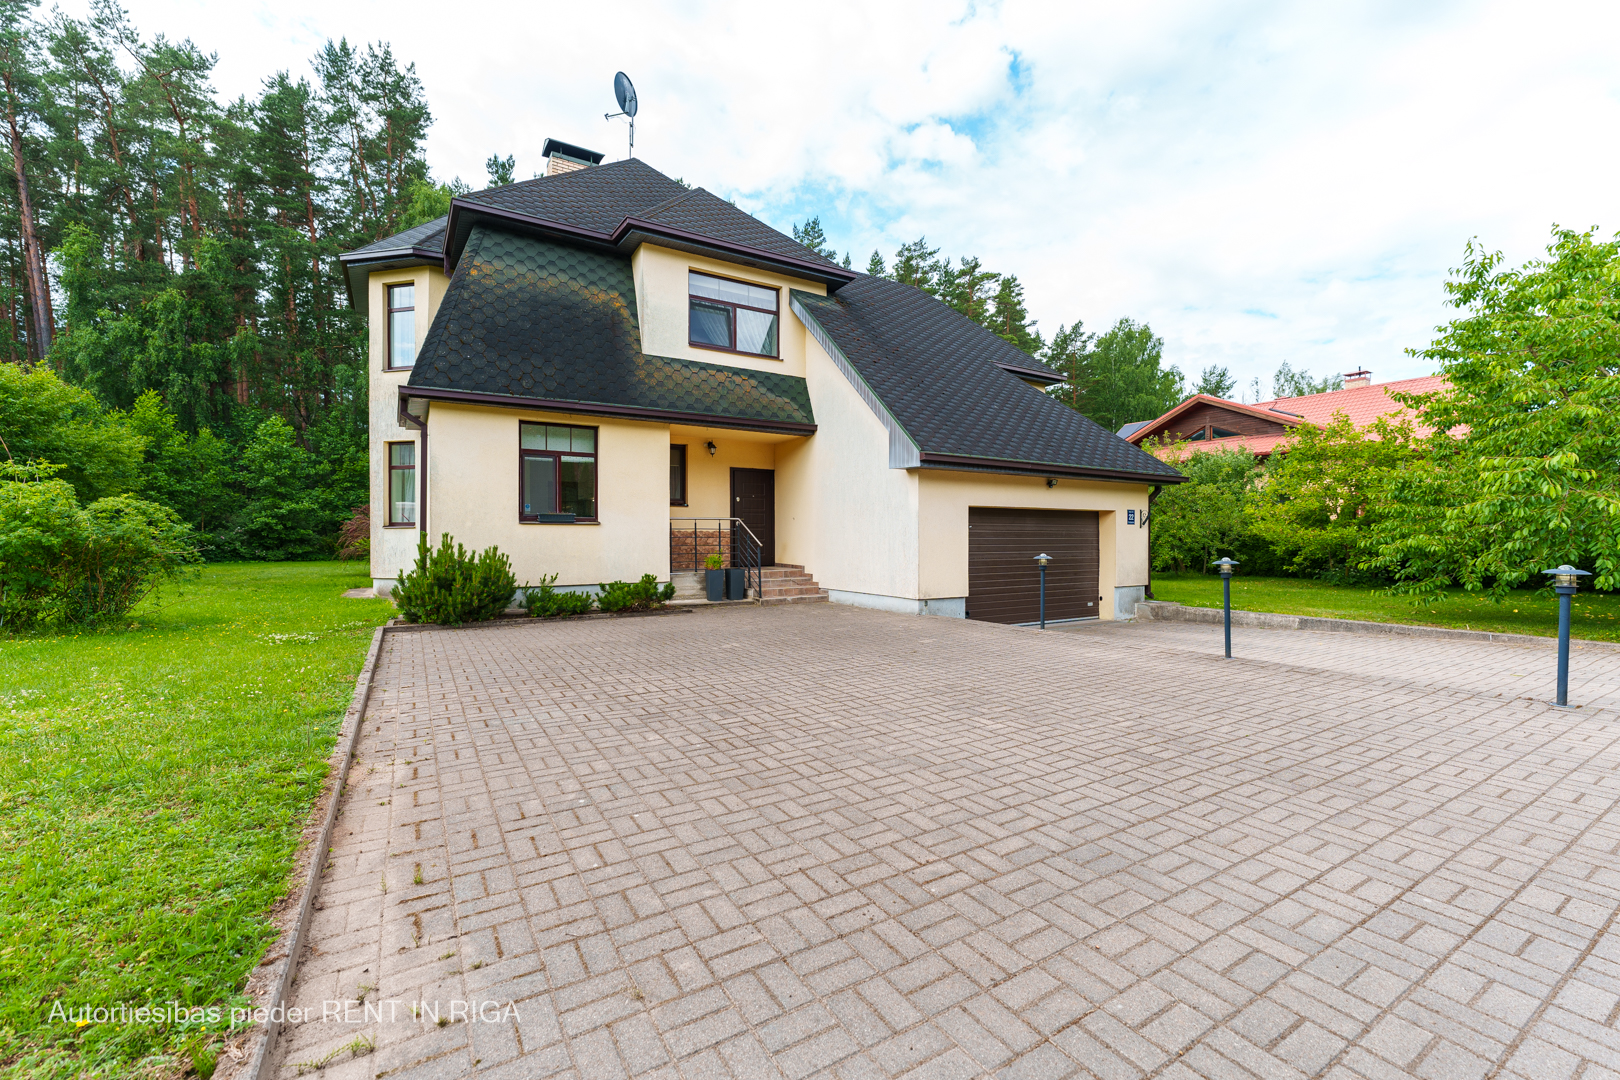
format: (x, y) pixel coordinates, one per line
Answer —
(1051, 481)
(1041, 560)
(1566, 579)
(1227, 566)
(711, 448)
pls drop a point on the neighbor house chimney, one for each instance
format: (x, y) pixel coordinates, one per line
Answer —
(564, 157)
(1359, 377)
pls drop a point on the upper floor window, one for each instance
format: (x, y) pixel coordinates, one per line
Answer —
(731, 315)
(401, 326)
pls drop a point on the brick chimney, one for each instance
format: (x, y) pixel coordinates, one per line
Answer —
(1359, 377)
(564, 157)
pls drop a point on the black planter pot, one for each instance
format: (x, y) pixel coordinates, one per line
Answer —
(736, 583)
(714, 585)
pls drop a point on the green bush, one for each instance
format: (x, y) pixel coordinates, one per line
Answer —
(544, 601)
(643, 595)
(64, 563)
(451, 586)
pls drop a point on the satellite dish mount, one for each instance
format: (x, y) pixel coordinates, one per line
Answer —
(625, 92)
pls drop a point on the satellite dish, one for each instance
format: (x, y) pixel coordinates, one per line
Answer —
(625, 91)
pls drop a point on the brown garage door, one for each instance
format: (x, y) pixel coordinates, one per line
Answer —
(1004, 582)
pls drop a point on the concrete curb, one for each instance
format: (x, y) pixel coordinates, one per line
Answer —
(1164, 611)
(292, 939)
(397, 625)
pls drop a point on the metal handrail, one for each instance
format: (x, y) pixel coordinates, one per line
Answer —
(753, 551)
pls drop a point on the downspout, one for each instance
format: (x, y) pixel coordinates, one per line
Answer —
(1154, 494)
(420, 425)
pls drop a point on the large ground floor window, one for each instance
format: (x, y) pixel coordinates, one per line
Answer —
(402, 483)
(556, 472)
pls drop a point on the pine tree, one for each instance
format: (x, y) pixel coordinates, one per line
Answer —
(917, 264)
(812, 236)
(875, 267)
(1069, 354)
(968, 289)
(21, 100)
(1009, 317)
(500, 169)
(1216, 382)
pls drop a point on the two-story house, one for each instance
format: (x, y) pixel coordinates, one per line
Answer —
(607, 373)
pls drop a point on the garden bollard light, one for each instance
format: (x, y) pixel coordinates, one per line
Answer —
(1565, 581)
(1043, 558)
(1227, 566)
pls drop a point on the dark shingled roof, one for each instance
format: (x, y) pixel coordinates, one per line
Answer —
(700, 212)
(938, 374)
(428, 236)
(532, 320)
(597, 198)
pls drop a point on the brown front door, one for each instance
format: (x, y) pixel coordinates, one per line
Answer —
(1004, 581)
(753, 498)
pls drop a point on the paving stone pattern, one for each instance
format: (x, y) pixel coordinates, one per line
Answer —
(817, 841)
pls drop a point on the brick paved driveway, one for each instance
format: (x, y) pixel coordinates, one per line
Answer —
(820, 841)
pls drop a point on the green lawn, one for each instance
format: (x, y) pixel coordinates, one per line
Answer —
(153, 783)
(1594, 615)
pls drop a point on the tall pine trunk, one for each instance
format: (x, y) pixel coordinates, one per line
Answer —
(40, 324)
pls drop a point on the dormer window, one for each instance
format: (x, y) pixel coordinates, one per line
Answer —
(731, 315)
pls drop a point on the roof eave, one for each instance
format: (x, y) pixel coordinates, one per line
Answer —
(1042, 468)
(1278, 416)
(628, 412)
(357, 268)
(632, 230)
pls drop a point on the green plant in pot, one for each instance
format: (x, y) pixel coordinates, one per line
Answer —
(714, 577)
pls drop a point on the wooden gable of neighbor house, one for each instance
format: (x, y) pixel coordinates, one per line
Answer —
(1207, 417)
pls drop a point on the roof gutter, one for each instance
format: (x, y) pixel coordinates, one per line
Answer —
(1041, 468)
(628, 412)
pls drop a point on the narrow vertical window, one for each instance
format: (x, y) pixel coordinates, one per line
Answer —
(677, 476)
(401, 326)
(402, 483)
(556, 473)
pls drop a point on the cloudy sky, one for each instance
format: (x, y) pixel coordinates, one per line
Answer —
(1258, 181)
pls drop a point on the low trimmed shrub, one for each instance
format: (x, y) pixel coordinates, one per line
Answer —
(545, 601)
(65, 563)
(643, 595)
(450, 586)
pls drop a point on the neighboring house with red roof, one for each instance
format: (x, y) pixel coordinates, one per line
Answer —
(1208, 422)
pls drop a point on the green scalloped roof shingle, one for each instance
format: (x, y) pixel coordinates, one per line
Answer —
(527, 318)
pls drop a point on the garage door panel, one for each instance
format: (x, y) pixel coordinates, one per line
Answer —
(1003, 578)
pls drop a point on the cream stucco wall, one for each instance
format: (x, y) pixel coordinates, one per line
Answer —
(393, 547)
(862, 529)
(841, 512)
(661, 303)
(945, 497)
(473, 495)
(708, 476)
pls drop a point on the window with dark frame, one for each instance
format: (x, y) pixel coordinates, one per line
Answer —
(556, 472)
(731, 315)
(401, 326)
(402, 483)
(677, 475)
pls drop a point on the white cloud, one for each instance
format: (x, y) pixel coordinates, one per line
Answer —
(1183, 163)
